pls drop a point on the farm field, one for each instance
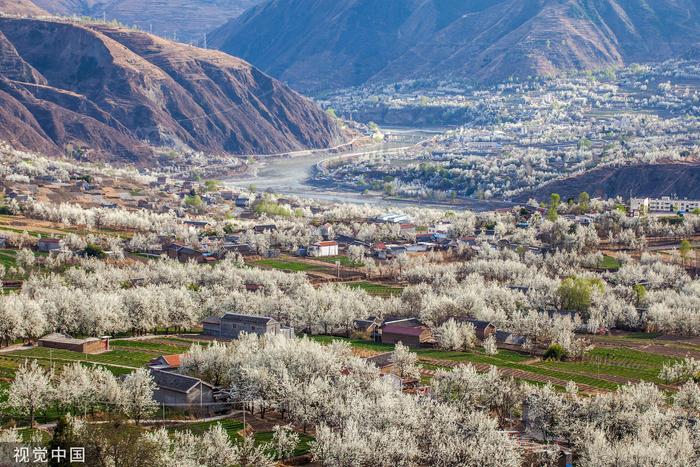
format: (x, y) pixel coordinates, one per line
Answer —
(602, 369)
(609, 262)
(342, 259)
(233, 427)
(155, 345)
(8, 258)
(37, 228)
(375, 289)
(286, 265)
(118, 357)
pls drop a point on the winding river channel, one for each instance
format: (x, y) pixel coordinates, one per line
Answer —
(289, 175)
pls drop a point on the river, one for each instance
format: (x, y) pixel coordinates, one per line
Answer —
(289, 175)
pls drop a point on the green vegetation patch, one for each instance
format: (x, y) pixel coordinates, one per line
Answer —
(609, 262)
(286, 265)
(174, 348)
(232, 427)
(376, 289)
(342, 259)
(130, 358)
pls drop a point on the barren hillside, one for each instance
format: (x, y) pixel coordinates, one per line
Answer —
(118, 92)
(320, 44)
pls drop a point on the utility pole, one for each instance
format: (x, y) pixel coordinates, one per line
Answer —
(104, 16)
(205, 40)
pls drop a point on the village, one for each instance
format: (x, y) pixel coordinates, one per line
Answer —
(196, 304)
(507, 141)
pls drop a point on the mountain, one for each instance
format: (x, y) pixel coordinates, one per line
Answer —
(121, 92)
(680, 179)
(20, 7)
(320, 44)
(187, 20)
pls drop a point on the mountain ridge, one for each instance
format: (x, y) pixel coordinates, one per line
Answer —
(185, 20)
(123, 92)
(353, 42)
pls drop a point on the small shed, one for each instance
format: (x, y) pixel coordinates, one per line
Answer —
(326, 248)
(414, 336)
(183, 392)
(483, 329)
(47, 244)
(91, 345)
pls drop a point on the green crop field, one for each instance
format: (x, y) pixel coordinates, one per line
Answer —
(8, 258)
(343, 260)
(232, 427)
(609, 262)
(145, 345)
(602, 368)
(375, 289)
(286, 265)
(358, 343)
(133, 359)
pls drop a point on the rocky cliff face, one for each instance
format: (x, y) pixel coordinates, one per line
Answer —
(321, 44)
(121, 92)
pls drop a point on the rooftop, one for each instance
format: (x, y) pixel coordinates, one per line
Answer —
(175, 381)
(253, 319)
(66, 339)
(404, 330)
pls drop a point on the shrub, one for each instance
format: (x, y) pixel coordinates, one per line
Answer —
(555, 352)
(94, 251)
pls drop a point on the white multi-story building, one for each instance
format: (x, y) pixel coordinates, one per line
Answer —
(663, 204)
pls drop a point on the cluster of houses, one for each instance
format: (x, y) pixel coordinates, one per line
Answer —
(190, 394)
(412, 333)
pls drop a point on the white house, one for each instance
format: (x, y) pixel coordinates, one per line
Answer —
(329, 248)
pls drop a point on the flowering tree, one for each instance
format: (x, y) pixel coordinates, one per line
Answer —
(137, 395)
(490, 345)
(404, 361)
(31, 390)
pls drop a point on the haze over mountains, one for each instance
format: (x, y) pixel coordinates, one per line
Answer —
(121, 93)
(187, 20)
(316, 45)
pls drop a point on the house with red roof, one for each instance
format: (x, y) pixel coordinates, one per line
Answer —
(167, 362)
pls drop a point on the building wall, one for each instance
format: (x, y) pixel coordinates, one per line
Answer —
(95, 346)
(211, 329)
(87, 347)
(391, 338)
(232, 329)
(323, 250)
(49, 246)
(186, 402)
(663, 204)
